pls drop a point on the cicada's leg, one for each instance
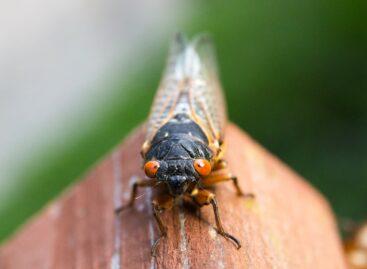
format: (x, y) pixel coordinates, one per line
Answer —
(159, 204)
(205, 197)
(139, 183)
(223, 175)
(221, 164)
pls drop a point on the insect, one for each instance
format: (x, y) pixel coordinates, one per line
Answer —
(183, 151)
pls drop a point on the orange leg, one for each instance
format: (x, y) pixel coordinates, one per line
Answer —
(159, 204)
(221, 164)
(139, 183)
(222, 175)
(205, 197)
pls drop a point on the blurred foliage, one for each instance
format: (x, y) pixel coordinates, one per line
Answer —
(295, 76)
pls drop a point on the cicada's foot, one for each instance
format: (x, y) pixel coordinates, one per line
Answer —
(233, 239)
(248, 195)
(156, 243)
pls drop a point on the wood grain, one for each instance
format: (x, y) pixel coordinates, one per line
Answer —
(288, 225)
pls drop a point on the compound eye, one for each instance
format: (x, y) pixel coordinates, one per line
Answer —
(203, 167)
(151, 168)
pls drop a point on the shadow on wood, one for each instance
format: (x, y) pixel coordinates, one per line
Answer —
(288, 225)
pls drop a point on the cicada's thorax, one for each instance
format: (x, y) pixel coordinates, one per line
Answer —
(176, 145)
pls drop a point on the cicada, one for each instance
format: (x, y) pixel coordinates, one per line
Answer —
(183, 150)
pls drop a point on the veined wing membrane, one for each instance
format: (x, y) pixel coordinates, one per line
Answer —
(190, 85)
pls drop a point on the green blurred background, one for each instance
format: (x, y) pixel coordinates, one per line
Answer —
(295, 77)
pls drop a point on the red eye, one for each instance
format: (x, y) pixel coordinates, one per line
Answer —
(203, 167)
(151, 168)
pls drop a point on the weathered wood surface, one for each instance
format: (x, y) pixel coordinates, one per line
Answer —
(288, 225)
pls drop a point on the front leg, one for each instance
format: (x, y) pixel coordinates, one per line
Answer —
(204, 197)
(159, 204)
(139, 183)
(220, 164)
(220, 175)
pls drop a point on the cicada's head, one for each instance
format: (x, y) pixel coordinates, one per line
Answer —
(178, 174)
(178, 159)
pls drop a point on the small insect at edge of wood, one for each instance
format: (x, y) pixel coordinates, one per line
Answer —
(183, 151)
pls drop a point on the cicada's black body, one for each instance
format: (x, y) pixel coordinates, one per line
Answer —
(185, 132)
(176, 145)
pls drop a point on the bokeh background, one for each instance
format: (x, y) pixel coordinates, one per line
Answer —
(78, 76)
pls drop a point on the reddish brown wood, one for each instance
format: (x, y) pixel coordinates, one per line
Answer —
(288, 225)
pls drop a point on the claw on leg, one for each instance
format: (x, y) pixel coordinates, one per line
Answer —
(156, 243)
(218, 221)
(233, 239)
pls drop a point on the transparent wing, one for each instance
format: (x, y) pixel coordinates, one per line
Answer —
(168, 92)
(207, 98)
(190, 85)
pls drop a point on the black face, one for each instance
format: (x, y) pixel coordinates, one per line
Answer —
(175, 146)
(177, 174)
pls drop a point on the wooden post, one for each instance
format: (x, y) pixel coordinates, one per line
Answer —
(288, 225)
